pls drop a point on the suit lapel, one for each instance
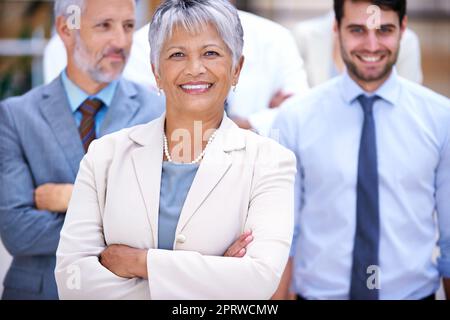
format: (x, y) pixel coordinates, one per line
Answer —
(147, 161)
(55, 109)
(123, 109)
(215, 164)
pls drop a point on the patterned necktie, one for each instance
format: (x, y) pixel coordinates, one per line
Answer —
(367, 236)
(88, 109)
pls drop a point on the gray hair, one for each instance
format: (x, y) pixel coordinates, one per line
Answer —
(194, 15)
(61, 6)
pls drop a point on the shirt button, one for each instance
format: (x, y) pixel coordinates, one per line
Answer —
(181, 238)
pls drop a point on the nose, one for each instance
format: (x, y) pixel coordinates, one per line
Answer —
(372, 41)
(195, 67)
(119, 38)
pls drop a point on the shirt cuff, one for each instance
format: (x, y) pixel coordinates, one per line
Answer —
(444, 267)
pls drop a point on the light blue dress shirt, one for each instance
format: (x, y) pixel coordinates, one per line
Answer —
(77, 96)
(413, 145)
(176, 181)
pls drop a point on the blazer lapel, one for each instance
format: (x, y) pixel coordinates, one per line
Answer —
(123, 109)
(55, 109)
(215, 164)
(147, 161)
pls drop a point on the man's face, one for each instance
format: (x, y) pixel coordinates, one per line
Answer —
(103, 43)
(369, 54)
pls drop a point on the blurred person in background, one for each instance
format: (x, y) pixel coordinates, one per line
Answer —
(45, 133)
(373, 157)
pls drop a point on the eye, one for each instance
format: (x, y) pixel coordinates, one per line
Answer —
(177, 55)
(211, 54)
(385, 30)
(129, 26)
(103, 25)
(356, 30)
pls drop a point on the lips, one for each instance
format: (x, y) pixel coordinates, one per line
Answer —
(196, 87)
(117, 57)
(367, 58)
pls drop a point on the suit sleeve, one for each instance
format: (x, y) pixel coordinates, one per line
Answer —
(24, 230)
(79, 273)
(181, 274)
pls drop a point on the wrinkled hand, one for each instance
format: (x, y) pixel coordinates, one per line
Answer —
(279, 98)
(125, 261)
(53, 197)
(239, 248)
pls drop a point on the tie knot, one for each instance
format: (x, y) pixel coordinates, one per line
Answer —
(90, 107)
(367, 102)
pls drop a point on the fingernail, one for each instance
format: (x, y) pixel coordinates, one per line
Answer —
(242, 251)
(248, 239)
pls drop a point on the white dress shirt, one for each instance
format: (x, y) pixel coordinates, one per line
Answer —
(272, 63)
(413, 145)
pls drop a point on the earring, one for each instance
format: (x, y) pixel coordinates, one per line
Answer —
(234, 88)
(159, 92)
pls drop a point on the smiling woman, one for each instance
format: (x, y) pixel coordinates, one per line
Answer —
(188, 206)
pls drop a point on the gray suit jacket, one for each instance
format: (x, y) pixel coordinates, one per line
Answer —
(40, 143)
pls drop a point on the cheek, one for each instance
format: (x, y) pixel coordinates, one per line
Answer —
(353, 44)
(391, 43)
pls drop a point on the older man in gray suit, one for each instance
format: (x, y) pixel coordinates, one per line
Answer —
(45, 133)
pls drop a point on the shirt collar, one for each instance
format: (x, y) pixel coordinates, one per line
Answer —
(76, 95)
(389, 90)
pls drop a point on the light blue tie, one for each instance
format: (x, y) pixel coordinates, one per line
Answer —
(367, 236)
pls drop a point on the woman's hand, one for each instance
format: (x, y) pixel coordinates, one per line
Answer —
(125, 261)
(239, 248)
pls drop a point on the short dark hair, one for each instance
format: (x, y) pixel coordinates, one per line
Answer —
(398, 6)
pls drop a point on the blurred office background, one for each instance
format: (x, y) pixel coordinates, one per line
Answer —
(26, 26)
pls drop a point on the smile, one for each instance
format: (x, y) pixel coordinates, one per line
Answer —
(196, 88)
(370, 59)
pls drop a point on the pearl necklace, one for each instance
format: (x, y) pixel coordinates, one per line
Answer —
(200, 157)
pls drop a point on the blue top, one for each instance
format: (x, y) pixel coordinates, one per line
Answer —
(176, 180)
(413, 144)
(77, 96)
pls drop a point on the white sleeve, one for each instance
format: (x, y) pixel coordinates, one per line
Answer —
(291, 79)
(79, 273)
(409, 59)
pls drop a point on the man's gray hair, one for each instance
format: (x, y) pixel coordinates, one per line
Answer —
(61, 6)
(194, 15)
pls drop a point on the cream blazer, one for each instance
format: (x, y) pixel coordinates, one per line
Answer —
(244, 182)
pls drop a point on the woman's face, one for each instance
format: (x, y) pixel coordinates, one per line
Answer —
(196, 70)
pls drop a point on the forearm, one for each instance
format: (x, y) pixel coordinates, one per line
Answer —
(28, 232)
